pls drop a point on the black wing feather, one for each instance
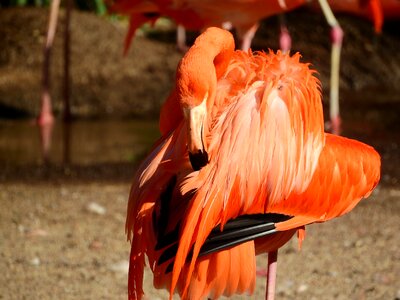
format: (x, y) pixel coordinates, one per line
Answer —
(235, 232)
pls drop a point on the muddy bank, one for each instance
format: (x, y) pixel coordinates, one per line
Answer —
(104, 83)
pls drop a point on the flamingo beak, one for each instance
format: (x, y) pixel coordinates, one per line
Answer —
(195, 119)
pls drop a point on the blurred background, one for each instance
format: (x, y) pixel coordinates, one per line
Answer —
(63, 206)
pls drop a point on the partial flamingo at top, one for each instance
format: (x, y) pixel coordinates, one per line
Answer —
(198, 15)
(243, 15)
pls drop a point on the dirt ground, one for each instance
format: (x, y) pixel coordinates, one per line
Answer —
(62, 229)
(53, 246)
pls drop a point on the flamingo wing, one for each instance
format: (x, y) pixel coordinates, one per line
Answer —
(347, 171)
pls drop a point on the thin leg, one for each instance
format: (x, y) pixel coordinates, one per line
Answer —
(271, 275)
(45, 119)
(246, 36)
(337, 37)
(46, 123)
(181, 38)
(376, 9)
(285, 41)
(67, 35)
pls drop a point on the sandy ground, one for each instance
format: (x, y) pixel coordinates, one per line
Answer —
(54, 246)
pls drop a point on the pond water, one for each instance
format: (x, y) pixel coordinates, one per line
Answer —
(83, 142)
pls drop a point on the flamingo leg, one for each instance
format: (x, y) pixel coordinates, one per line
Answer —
(45, 119)
(246, 35)
(67, 51)
(46, 124)
(271, 275)
(181, 38)
(337, 37)
(285, 41)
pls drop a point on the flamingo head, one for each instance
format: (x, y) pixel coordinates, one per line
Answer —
(194, 97)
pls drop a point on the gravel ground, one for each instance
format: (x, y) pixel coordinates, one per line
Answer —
(66, 241)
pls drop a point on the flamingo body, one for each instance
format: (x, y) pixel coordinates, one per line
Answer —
(391, 9)
(259, 120)
(243, 15)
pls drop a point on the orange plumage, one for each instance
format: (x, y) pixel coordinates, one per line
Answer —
(258, 119)
(243, 15)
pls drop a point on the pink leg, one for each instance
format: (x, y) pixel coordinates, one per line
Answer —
(271, 275)
(336, 127)
(46, 123)
(45, 119)
(337, 38)
(181, 39)
(285, 41)
(246, 36)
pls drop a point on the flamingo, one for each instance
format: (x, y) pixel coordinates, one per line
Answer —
(242, 165)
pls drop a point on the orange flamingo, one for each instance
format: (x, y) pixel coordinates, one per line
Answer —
(243, 163)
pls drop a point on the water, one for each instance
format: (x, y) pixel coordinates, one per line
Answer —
(87, 143)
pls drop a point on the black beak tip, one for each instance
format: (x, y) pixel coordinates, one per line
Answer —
(198, 160)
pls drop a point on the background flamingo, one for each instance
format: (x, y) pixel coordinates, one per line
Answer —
(242, 156)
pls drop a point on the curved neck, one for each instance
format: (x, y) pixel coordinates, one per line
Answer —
(217, 46)
(202, 65)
